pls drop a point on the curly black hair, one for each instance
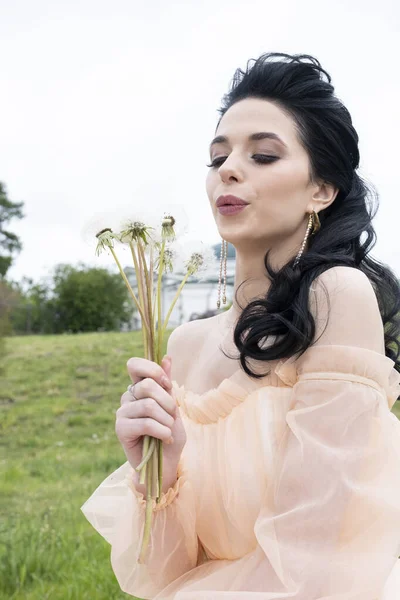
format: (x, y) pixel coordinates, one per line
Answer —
(296, 84)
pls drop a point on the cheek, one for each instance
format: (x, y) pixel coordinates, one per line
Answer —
(210, 185)
(282, 186)
(280, 200)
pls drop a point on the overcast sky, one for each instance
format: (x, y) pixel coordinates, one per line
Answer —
(105, 104)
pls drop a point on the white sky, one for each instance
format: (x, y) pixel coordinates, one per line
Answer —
(98, 99)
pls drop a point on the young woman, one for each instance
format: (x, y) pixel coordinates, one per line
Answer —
(283, 477)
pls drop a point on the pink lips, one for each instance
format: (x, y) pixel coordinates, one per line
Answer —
(230, 209)
(229, 199)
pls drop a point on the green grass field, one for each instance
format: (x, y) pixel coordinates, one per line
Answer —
(58, 399)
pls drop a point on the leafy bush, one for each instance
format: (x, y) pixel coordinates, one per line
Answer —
(73, 299)
(89, 299)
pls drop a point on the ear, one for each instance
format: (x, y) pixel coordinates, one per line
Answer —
(323, 197)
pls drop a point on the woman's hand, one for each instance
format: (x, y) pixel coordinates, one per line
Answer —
(154, 413)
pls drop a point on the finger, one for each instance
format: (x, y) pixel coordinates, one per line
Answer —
(166, 365)
(148, 388)
(168, 369)
(140, 368)
(133, 428)
(146, 408)
(127, 398)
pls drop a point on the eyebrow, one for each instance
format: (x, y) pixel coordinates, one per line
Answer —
(260, 135)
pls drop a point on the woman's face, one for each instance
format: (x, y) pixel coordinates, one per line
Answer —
(279, 192)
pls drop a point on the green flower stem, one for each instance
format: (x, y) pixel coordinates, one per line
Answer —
(151, 278)
(124, 277)
(160, 470)
(154, 302)
(153, 288)
(146, 442)
(160, 274)
(141, 246)
(173, 303)
(154, 458)
(149, 514)
(141, 293)
(144, 280)
(148, 455)
(151, 345)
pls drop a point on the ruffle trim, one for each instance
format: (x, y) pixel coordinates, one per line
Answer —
(359, 365)
(351, 363)
(166, 497)
(215, 404)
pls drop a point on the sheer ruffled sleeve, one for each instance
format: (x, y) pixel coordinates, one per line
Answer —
(330, 522)
(117, 511)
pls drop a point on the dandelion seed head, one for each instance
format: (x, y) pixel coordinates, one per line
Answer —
(106, 239)
(134, 231)
(102, 231)
(197, 259)
(169, 220)
(167, 227)
(169, 255)
(172, 221)
(140, 216)
(96, 224)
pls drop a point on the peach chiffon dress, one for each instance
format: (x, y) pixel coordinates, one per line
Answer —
(288, 488)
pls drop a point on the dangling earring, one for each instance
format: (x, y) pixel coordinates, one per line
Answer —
(224, 253)
(314, 224)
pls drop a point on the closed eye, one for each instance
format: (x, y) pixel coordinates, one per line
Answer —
(258, 158)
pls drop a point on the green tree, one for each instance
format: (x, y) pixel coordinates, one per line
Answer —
(89, 299)
(34, 310)
(8, 297)
(10, 243)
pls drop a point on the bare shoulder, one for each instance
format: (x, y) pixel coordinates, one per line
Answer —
(346, 309)
(344, 286)
(182, 332)
(343, 277)
(184, 344)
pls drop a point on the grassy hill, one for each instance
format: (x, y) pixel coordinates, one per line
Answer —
(57, 443)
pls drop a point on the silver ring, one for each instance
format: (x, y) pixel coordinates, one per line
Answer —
(130, 389)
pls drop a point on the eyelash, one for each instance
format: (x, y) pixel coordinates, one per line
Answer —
(266, 159)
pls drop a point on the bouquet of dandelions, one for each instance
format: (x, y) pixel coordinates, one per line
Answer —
(154, 251)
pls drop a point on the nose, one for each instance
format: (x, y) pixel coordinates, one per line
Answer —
(230, 170)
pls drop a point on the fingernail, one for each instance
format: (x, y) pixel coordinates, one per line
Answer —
(166, 382)
(170, 441)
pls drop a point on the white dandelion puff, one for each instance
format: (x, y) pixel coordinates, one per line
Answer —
(98, 222)
(135, 231)
(172, 252)
(197, 259)
(179, 217)
(139, 218)
(105, 240)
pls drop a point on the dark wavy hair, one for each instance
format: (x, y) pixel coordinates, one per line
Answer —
(296, 84)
